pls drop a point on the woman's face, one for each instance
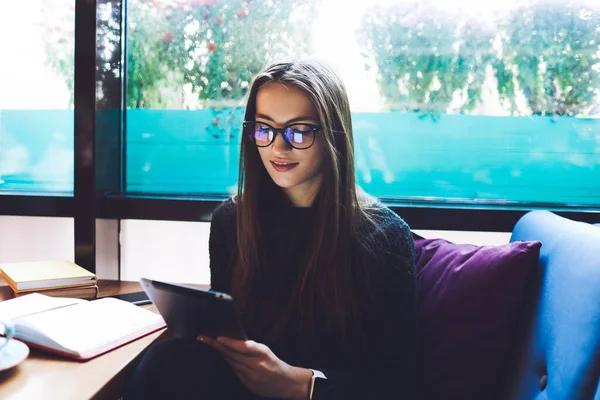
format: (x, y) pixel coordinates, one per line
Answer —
(297, 172)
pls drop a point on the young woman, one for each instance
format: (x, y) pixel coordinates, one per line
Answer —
(323, 274)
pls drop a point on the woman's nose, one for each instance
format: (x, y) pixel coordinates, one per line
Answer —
(280, 145)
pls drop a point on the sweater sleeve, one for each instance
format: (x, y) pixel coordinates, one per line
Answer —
(389, 369)
(221, 246)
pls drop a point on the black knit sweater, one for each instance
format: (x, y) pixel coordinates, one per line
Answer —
(380, 364)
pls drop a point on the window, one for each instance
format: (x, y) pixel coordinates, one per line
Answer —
(453, 102)
(36, 96)
(189, 66)
(480, 110)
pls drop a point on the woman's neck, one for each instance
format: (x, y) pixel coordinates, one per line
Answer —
(300, 198)
(304, 195)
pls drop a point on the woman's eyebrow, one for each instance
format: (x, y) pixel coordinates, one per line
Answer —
(301, 118)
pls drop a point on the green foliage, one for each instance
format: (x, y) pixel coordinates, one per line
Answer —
(555, 47)
(218, 47)
(213, 47)
(433, 61)
(58, 29)
(425, 57)
(544, 55)
(149, 73)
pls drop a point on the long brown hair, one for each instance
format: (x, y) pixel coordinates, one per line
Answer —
(329, 275)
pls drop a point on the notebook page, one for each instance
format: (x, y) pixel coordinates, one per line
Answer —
(33, 303)
(94, 325)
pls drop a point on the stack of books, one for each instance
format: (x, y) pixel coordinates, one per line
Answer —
(51, 278)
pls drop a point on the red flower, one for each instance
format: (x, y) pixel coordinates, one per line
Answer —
(212, 46)
(242, 13)
(168, 38)
(218, 20)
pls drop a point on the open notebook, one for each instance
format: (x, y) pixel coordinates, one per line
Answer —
(77, 328)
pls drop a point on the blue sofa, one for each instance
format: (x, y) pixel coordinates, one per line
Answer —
(558, 355)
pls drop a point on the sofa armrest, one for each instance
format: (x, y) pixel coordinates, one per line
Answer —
(560, 348)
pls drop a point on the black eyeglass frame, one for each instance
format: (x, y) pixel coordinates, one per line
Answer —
(314, 128)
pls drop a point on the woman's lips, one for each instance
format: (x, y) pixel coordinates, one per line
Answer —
(283, 166)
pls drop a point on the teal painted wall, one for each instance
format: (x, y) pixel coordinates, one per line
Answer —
(513, 159)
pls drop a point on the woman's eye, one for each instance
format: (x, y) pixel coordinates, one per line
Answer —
(303, 129)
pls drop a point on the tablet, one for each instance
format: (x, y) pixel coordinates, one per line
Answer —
(190, 312)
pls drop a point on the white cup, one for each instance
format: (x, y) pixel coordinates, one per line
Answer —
(8, 330)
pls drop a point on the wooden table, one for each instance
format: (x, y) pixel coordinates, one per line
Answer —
(46, 376)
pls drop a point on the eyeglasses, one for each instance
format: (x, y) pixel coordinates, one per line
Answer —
(299, 136)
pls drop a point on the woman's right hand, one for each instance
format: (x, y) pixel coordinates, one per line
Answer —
(260, 370)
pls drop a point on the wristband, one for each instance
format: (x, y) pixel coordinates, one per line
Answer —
(316, 375)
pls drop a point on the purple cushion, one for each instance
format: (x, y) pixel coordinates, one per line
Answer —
(469, 301)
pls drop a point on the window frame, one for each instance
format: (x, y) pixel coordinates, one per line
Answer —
(99, 196)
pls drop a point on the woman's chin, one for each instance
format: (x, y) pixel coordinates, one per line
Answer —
(283, 183)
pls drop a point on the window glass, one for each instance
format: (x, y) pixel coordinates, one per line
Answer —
(487, 103)
(36, 96)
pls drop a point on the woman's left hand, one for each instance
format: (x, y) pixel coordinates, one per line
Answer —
(259, 369)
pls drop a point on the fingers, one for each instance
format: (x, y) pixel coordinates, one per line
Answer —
(246, 347)
(205, 339)
(230, 355)
(213, 343)
(241, 364)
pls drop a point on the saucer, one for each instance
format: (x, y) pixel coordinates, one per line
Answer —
(13, 354)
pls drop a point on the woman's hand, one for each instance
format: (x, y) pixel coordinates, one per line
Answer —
(260, 370)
